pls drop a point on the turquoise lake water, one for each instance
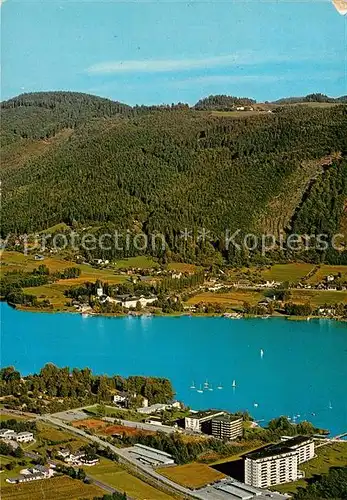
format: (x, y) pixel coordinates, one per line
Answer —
(303, 370)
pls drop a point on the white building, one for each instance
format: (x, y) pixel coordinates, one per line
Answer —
(24, 437)
(304, 445)
(120, 397)
(6, 433)
(157, 407)
(265, 468)
(278, 463)
(35, 473)
(195, 420)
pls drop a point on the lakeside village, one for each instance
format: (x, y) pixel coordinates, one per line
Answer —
(317, 291)
(160, 439)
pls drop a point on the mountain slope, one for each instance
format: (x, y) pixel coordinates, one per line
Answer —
(167, 171)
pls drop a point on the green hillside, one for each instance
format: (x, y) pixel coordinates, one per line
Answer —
(84, 160)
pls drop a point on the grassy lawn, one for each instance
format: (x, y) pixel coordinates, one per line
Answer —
(10, 416)
(287, 272)
(54, 293)
(55, 229)
(141, 261)
(57, 488)
(58, 438)
(4, 460)
(113, 474)
(318, 297)
(122, 414)
(191, 475)
(332, 455)
(234, 298)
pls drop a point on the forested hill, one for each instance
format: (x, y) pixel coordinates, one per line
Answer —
(173, 168)
(322, 98)
(40, 115)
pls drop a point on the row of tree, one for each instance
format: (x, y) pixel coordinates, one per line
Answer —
(81, 383)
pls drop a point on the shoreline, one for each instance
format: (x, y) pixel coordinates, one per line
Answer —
(177, 315)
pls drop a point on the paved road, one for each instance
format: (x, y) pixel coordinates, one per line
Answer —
(123, 455)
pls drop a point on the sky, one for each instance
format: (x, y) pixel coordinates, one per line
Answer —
(152, 52)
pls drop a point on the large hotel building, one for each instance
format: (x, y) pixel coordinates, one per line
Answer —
(278, 463)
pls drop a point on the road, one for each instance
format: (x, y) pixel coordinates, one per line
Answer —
(123, 456)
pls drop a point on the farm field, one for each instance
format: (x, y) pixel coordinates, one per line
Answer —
(57, 488)
(113, 474)
(324, 271)
(182, 267)
(191, 475)
(11, 261)
(107, 429)
(54, 293)
(234, 298)
(331, 455)
(318, 297)
(140, 261)
(287, 272)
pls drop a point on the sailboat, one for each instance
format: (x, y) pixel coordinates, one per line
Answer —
(220, 386)
(200, 389)
(193, 385)
(210, 388)
(261, 353)
(330, 406)
(233, 384)
(206, 384)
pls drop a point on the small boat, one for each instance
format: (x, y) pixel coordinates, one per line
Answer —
(233, 384)
(220, 386)
(255, 405)
(261, 353)
(265, 317)
(193, 385)
(200, 389)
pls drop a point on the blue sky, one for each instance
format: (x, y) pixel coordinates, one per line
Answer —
(160, 51)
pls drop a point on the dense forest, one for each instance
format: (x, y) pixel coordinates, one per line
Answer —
(88, 161)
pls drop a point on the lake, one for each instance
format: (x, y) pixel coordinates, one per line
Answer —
(303, 369)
